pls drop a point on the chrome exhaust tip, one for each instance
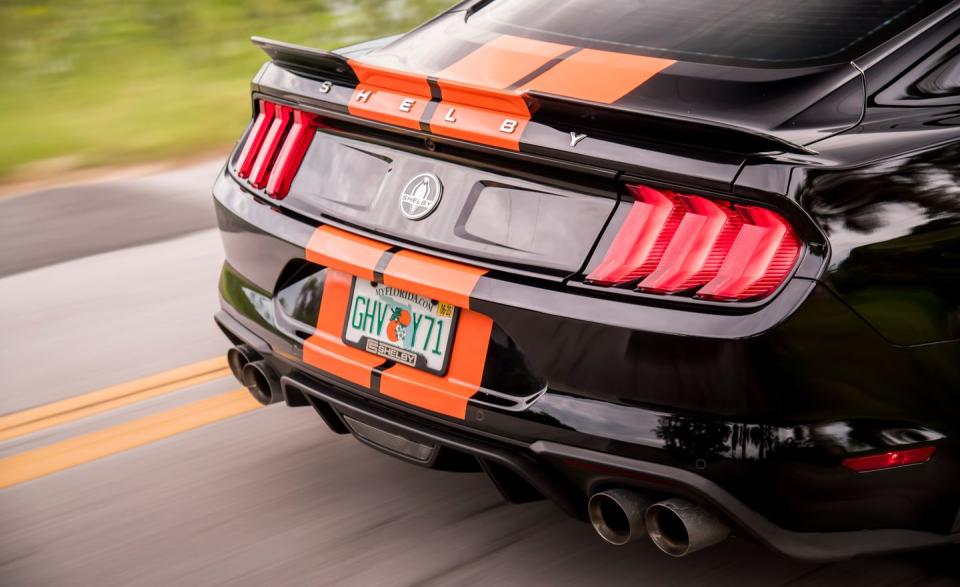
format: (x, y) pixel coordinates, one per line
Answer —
(679, 527)
(262, 383)
(238, 357)
(617, 515)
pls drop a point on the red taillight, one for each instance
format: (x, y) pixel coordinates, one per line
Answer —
(638, 247)
(672, 243)
(291, 154)
(270, 146)
(275, 146)
(889, 460)
(255, 139)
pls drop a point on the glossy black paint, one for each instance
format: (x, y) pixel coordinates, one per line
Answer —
(759, 101)
(894, 227)
(523, 474)
(489, 215)
(752, 405)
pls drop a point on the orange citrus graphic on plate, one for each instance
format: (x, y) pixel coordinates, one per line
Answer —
(398, 322)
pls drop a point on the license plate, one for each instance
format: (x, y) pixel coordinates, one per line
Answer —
(401, 326)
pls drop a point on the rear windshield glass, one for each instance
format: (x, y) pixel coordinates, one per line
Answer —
(777, 32)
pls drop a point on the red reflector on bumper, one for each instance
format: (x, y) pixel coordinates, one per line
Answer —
(889, 460)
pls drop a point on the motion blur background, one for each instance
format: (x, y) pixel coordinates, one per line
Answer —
(112, 82)
(128, 456)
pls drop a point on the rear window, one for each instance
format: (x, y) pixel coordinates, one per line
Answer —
(775, 32)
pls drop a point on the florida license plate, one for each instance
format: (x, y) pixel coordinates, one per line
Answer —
(401, 326)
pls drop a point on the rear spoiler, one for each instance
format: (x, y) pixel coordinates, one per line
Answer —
(697, 130)
(328, 65)
(307, 60)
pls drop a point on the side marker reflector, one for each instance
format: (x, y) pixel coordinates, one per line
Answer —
(890, 460)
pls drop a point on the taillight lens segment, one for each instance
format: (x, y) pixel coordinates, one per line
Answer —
(275, 147)
(673, 243)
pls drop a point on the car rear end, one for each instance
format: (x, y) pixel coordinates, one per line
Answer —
(584, 267)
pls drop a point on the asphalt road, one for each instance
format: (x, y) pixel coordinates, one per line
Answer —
(177, 479)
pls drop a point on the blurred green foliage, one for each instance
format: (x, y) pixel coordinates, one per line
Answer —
(106, 82)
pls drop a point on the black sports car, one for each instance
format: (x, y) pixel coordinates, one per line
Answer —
(686, 268)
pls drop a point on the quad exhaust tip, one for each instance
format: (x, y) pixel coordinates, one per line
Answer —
(678, 527)
(262, 383)
(255, 374)
(617, 515)
(238, 357)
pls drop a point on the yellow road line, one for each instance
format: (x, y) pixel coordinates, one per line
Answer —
(102, 443)
(75, 408)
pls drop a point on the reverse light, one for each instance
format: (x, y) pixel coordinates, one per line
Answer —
(275, 147)
(889, 460)
(677, 243)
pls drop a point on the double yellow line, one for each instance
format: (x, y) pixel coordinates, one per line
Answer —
(95, 445)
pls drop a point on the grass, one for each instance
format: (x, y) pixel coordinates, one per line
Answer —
(111, 82)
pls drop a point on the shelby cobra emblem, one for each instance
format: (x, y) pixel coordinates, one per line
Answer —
(420, 196)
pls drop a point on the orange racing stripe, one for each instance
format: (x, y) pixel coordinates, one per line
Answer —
(598, 76)
(502, 62)
(476, 105)
(325, 350)
(383, 77)
(343, 251)
(446, 395)
(381, 93)
(435, 278)
(346, 255)
(502, 102)
(449, 282)
(385, 106)
(349, 255)
(479, 126)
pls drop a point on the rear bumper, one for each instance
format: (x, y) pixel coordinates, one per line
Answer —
(750, 414)
(566, 474)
